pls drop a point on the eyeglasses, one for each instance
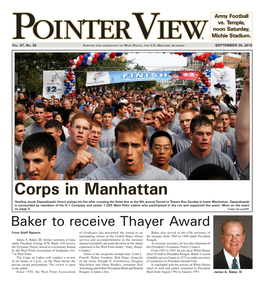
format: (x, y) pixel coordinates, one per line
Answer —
(159, 148)
(81, 128)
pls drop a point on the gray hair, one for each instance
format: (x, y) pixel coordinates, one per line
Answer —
(231, 221)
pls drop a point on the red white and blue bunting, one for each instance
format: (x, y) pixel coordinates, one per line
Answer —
(210, 61)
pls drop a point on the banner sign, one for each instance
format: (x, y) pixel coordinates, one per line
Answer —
(111, 77)
(227, 78)
(53, 83)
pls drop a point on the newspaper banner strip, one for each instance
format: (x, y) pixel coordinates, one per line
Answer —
(98, 78)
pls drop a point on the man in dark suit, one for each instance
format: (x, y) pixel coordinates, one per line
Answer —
(232, 236)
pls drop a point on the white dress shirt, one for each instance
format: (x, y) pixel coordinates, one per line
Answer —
(230, 258)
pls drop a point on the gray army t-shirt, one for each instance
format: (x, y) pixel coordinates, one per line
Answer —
(65, 155)
(32, 129)
(174, 125)
(107, 140)
(186, 162)
(176, 174)
(182, 142)
(222, 140)
(113, 172)
(230, 134)
(116, 120)
(19, 163)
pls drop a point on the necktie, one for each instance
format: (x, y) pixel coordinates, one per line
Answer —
(235, 266)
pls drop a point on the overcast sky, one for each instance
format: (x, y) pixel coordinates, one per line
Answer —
(155, 59)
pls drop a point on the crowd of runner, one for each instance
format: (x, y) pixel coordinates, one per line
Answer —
(108, 134)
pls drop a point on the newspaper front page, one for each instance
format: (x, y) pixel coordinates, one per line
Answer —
(127, 231)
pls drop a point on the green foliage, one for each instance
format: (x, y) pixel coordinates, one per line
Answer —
(159, 88)
(240, 71)
(29, 69)
(138, 67)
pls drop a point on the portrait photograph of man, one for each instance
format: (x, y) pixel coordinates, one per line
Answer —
(233, 242)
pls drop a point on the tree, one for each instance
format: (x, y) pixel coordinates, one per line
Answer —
(29, 67)
(138, 67)
(240, 71)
